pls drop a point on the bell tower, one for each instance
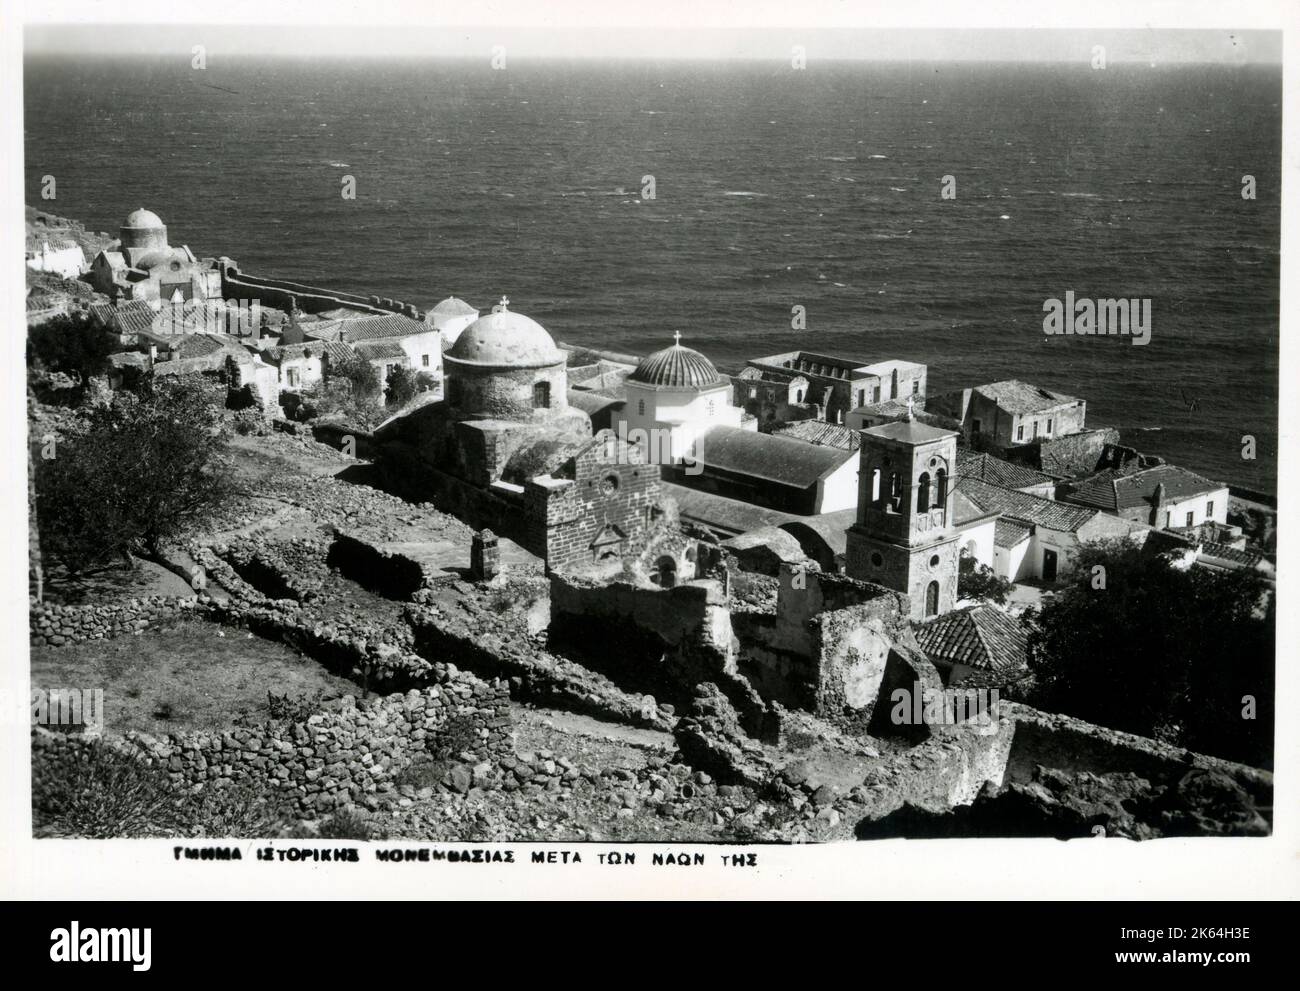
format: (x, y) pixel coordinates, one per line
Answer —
(903, 537)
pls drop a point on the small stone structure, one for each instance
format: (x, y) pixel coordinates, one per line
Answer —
(484, 556)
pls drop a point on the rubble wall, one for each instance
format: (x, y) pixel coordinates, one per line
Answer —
(345, 755)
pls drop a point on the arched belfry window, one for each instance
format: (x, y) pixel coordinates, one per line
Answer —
(941, 488)
(932, 599)
(923, 492)
(875, 486)
(541, 395)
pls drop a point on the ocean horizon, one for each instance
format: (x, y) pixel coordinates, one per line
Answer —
(773, 189)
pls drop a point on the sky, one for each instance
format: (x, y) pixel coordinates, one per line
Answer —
(579, 39)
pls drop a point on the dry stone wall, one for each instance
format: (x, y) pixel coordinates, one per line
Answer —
(349, 754)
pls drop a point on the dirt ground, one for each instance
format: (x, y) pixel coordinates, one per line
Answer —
(191, 675)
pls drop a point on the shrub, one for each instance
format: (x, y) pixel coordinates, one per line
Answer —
(979, 581)
(71, 344)
(98, 792)
(236, 810)
(404, 384)
(458, 734)
(294, 709)
(347, 824)
(146, 469)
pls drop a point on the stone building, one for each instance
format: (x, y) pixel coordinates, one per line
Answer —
(598, 506)
(1038, 538)
(835, 385)
(904, 537)
(773, 398)
(1163, 496)
(1004, 415)
(504, 449)
(300, 366)
(141, 264)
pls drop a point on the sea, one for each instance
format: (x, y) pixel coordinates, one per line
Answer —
(773, 189)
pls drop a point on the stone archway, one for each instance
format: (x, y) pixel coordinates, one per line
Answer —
(812, 543)
(665, 575)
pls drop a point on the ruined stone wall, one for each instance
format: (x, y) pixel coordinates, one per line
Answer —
(825, 649)
(493, 650)
(609, 501)
(346, 754)
(500, 511)
(946, 770)
(58, 626)
(1068, 744)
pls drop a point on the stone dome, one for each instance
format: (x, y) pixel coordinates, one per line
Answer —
(453, 306)
(173, 258)
(505, 339)
(676, 367)
(143, 219)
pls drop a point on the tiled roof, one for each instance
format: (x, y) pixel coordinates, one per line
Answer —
(1015, 396)
(987, 468)
(1025, 507)
(1118, 489)
(378, 327)
(335, 350)
(453, 306)
(197, 345)
(766, 456)
(592, 402)
(982, 637)
(1226, 552)
(820, 432)
(1008, 533)
(910, 431)
(380, 350)
(131, 317)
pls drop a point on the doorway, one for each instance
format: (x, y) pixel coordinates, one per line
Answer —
(1049, 566)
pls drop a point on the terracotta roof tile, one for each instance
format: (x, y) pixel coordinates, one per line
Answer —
(1025, 507)
(1015, 396)
(995, 471)
(982, 637)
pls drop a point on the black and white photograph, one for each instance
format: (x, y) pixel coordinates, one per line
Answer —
(454, 440)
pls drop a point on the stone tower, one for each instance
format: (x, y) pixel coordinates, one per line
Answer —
(904, 538)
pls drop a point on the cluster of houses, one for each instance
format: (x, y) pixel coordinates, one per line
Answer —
(853, 464)
(172, 312)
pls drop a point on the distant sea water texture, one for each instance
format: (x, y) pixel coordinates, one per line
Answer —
(819, 189)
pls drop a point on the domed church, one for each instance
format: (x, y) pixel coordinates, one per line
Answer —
(503, 449)
(505, 366)
(675, 395)
(141, 264)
